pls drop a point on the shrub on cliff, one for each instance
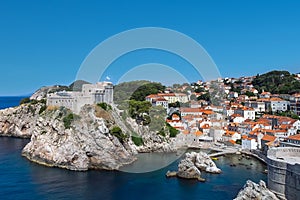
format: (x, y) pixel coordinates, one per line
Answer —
(68, 120)
(173, 131)
(137, 140)
(24, 100)
(117, 132)
(105, 106)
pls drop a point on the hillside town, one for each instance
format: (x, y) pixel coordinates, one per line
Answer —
(246, 118)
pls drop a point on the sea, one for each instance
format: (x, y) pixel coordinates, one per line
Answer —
(22, 179)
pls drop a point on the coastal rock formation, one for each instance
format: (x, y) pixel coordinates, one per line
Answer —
(19, 121)
(187, 169)
(191, 166)
(255, 191)
(86, 144)
(199, 160)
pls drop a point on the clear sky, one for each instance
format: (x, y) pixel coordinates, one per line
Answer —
(45, 42)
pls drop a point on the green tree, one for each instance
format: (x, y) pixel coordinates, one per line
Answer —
(249, 94)
(205, 97)
(280, 82)
(137, 108)
(145, 90)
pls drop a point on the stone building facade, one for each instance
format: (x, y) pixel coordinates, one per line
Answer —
(90, 94)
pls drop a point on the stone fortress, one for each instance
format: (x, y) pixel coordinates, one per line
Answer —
(284, 172)
(90, 94)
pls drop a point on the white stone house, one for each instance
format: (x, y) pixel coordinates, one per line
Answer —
(246, 112)
(161, 102)
(216, 133)
(231, 135)
(190, 111)
(249, 143)
(237, 118)
(256, 105)
(276, 104)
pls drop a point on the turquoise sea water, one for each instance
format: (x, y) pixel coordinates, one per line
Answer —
(21, 179)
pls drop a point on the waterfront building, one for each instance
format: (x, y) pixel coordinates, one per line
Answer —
(249, 143)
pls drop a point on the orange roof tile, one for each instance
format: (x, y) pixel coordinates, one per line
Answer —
(208, 112)
(160, 99)
(232, 141)
(198, 133)
(236, 115)
(230, 132)
(152, 96)
(191, 110)
(294, 137)
(268, 138)
(166, 94)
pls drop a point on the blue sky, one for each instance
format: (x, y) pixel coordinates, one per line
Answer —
(45, 42)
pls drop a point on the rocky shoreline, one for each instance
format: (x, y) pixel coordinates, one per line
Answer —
(254, 191)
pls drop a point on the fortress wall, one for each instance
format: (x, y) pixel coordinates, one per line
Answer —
(283, 176)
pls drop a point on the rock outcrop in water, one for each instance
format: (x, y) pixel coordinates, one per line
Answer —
(253, 191)
(191, 166)
(86, 144)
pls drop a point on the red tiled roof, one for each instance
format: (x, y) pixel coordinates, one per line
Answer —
(269, 138)
(191, 110)
(198, 133)
(295, 137)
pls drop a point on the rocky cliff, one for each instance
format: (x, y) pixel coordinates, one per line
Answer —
(86, 144)
(255, 191)
(20, 121)
(62, 139)
(152, 142)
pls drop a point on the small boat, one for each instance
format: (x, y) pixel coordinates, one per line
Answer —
(215, 158)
